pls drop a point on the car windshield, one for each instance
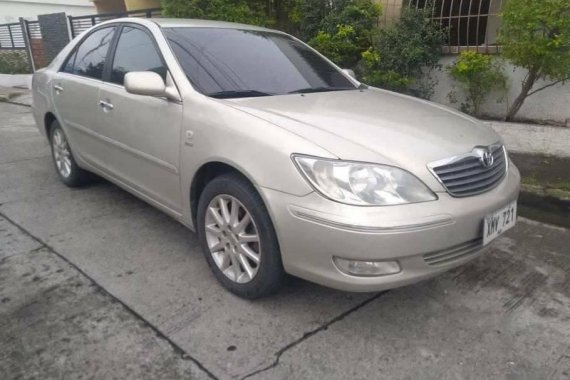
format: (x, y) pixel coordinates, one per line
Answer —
(233, 63)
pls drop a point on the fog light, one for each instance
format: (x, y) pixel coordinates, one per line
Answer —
(367, 268)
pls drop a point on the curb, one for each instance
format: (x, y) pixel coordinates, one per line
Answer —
(5, 100)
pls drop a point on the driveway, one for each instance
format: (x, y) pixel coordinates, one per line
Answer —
(94, 283)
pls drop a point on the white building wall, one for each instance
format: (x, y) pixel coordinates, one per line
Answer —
(12, 10)
(549, 105)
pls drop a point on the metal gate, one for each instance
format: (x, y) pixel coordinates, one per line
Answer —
(12, 36)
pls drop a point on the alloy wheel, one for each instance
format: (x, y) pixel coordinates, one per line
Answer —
(61, 153)
(233, 238)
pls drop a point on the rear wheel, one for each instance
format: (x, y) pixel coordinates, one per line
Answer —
(238, 239)
(67, 169)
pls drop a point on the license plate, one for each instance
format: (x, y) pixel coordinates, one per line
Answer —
(498, 222)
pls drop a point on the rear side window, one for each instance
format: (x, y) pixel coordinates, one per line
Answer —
(135, 52)
(89, 58)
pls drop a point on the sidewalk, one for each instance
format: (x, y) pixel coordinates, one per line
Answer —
(534, 138)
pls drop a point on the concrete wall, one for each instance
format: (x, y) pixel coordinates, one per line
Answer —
(550, 105)
(11, 10)
(113, 6)
(110, 6)
(133, 5)
(391, 10)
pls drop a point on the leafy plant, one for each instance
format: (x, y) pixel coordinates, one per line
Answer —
(13, 62)
(338, 47)
(243, 11)
(388, 79)
(406, 54)
(535, 35)
(479, 75)
(346, 31)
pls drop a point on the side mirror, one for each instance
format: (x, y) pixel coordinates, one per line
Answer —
(145, 83)
(349, 72)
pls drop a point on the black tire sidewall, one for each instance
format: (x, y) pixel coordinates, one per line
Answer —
(270, 274)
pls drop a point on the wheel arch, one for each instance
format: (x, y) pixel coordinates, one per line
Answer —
(49, 118)
(207, 172)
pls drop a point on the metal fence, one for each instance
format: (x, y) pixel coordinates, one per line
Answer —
(12, 36)
(81, 23)
(34, 30)
(469, 24)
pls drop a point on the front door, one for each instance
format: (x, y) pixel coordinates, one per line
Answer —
(143, 131)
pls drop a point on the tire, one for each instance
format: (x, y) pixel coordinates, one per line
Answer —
(236, 236)
(65, 166)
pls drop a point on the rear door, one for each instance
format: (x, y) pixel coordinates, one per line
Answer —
(75, 90)
(143, 131)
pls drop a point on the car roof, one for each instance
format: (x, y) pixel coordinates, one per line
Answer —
(196, 23)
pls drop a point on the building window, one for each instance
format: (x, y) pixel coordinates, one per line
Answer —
(470, 24)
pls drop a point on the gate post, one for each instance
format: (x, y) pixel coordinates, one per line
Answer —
(26, 36)
(55, 33)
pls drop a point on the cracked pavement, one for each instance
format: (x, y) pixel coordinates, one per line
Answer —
(94, 283)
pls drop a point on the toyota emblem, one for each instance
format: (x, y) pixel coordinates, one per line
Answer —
(486, 157)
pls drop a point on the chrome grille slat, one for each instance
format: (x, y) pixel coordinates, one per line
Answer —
(474, 177)
(453, 169)
(481, 185)
(468, 162)
(465, 175)
(463, 172)
(454, 253)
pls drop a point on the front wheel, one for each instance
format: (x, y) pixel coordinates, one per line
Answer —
(238, 239)
(67, 169)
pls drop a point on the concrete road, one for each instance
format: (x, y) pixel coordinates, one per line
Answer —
(94, 283)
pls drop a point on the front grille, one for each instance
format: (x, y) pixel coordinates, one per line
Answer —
(454, 253)
(466, 175)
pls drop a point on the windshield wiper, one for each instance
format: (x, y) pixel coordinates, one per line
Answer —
(238, 94)
(320, 89)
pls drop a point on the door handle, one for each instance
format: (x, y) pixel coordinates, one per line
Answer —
(58, 89)
(106, 105)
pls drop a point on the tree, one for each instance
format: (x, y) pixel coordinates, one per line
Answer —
(535, 35)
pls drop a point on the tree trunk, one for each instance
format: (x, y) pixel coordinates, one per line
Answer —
(527, 85)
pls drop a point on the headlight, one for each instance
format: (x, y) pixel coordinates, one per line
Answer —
(362, 184)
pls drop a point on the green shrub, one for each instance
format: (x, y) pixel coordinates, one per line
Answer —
(405, 54)
(346, 31)
(535, 35)
(242, 11)
(479, 75)
(13, 62)
(338, 47)
(387, 79)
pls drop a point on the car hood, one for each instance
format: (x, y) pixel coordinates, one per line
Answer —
(374, 125)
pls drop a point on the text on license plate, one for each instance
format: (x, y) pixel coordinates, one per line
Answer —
(498, 222)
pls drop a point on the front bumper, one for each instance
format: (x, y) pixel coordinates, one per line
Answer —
(312, 230)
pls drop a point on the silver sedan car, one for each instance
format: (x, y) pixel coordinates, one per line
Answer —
(279, 160)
